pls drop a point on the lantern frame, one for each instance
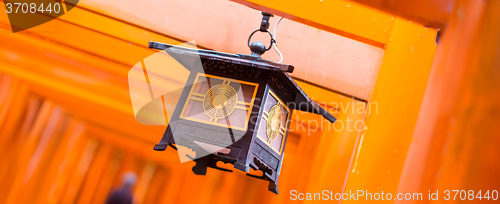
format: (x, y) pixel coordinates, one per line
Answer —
(238, 146)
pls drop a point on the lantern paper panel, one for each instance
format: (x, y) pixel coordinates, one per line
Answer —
(220, 101)
(274, 121)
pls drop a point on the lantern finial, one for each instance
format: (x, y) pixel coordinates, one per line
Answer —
(257, 48)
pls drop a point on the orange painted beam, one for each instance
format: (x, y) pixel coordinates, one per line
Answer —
(65, 88)
(345, 18)
(90, 78)
(430, 13)
(319, 56)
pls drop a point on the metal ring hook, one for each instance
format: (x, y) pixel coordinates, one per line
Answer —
(270, 34)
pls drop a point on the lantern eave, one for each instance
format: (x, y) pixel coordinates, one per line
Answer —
(242, 59)
(302, 101)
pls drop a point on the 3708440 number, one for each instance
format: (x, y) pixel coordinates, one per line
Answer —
(32, 8)
(470, 195)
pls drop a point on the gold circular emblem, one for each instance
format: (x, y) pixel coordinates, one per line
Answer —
(273, 122)
(220, 101)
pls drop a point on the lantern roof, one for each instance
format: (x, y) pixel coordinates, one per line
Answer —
(302, 101)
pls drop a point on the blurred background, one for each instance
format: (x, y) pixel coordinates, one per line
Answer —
(418, 109)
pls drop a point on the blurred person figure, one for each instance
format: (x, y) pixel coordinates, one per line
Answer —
(123, 193)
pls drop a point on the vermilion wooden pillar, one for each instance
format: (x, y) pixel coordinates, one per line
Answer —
(456, 140)
(378, 160)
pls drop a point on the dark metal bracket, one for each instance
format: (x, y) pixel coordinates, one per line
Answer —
(264, 25)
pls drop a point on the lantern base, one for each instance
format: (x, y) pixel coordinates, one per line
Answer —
(203, 163)
(210, 159)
